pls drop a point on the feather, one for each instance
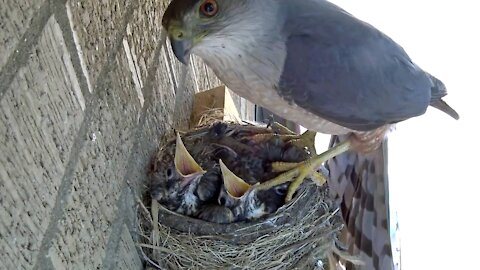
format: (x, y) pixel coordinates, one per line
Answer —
(359, 182)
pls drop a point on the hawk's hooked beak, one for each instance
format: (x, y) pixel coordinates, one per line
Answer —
(181, 42)
(185, 165)
(181, 49)
(234, 185)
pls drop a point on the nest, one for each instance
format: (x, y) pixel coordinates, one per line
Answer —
(299, 235)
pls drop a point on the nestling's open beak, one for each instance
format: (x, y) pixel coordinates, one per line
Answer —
(234, 185)
(185, 165)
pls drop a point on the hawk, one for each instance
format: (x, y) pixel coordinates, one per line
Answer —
(313, 63)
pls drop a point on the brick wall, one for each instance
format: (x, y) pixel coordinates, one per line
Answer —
(86, 94)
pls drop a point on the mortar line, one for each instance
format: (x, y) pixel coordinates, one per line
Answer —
(20, 55)
(113, 239)
(60, 11)
(65, 189)
(92, 101)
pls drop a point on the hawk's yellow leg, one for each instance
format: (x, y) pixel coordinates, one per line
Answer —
(303, 169)
(317, 177)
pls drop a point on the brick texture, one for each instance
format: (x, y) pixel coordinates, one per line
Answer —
(96, 23)
(15, 18)
(98, 176)
(127, 256)
(87, 95)
(39, 117)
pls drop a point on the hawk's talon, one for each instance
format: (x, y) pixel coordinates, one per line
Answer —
(317, 177)
(281, 179)
(307, 140)
(304, 170)
(284, 166)
(298, 173)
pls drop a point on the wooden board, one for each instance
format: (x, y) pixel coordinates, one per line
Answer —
(217, 99)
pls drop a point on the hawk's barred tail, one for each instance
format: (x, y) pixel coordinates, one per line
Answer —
(359, 182)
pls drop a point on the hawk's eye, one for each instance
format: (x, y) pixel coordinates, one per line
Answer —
(209, 8)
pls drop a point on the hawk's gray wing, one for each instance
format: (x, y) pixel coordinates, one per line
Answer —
(346, 71)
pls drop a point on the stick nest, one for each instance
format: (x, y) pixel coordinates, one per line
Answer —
(299, 235)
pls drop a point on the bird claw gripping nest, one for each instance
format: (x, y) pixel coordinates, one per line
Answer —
(218, 173)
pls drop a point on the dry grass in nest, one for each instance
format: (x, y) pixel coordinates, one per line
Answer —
(215, 114)
(300, 235)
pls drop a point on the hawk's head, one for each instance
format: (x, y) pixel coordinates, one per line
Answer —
(209, 27)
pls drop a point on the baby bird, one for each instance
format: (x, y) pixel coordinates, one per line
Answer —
(179, 183)
(211, 172)
(247, 202)
(217, 214)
